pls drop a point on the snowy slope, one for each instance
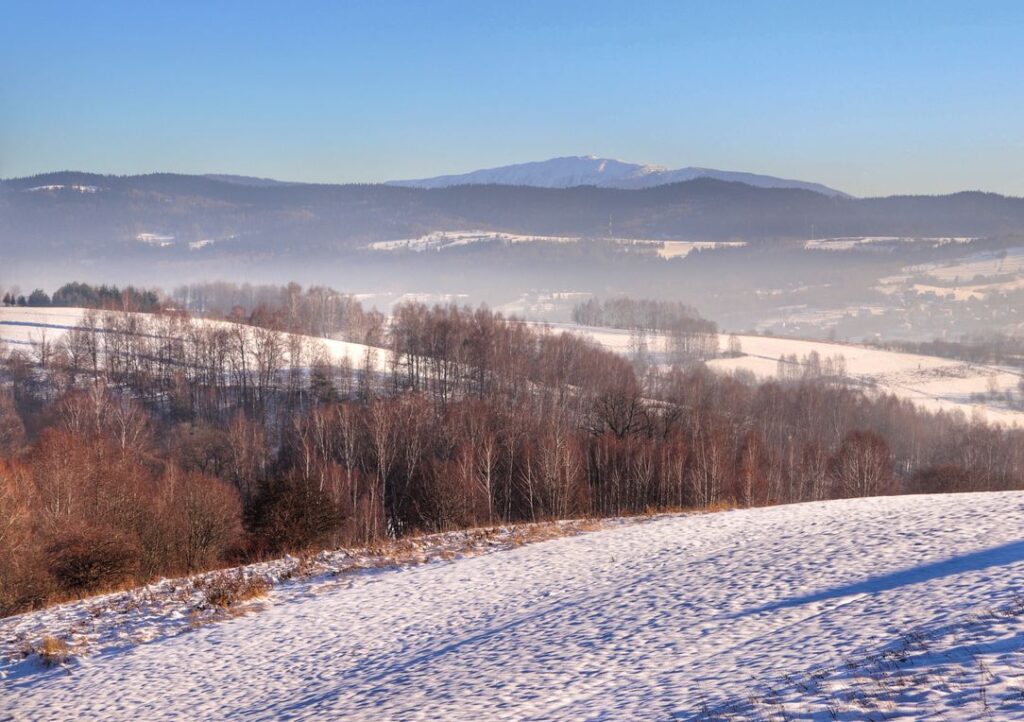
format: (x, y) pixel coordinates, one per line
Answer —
(763, 610)
(22, 327)
(445, 240)
(932, 383)
(588, 170)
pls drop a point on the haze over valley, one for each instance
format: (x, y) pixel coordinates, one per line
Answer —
(752, 257)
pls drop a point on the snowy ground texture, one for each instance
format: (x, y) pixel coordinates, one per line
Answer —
(902, 608)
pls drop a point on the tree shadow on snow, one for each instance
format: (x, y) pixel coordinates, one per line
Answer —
(976, 561)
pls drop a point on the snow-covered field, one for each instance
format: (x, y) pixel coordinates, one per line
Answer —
(984, 264)
(850, 242)
(933, 383)
(681, 249)
(900, 608)
(973, 276)
(20, 328)
(441, 240)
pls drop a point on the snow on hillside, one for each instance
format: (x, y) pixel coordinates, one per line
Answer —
(932, 383)
(23, 327)
(851, 242)
(589, 170)
(681, 249)
(108, 623)
(440, 240)
(443, 240)
(898, 608)
(554, 173)
(975, 275)
(60, 187)
(984, 264)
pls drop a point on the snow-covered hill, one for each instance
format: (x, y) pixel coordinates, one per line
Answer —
(447, 240)
(930, 382)
(23, 328)
(900, 608)
(588, 170)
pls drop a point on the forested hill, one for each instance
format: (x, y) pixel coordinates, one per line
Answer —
(93, 214)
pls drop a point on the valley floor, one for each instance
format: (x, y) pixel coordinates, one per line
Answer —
(884, 608)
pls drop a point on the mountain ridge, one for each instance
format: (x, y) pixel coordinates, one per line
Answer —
(590, 170)
(75, 214)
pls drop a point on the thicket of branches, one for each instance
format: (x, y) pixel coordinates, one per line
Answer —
(644, 314)
(688, 336)
(143, 445)
(315, 311)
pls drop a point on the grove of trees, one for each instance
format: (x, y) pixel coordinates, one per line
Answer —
(139, 445)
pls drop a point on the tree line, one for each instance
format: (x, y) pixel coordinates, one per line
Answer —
(688, 336)
(84, 295)
(314, 311)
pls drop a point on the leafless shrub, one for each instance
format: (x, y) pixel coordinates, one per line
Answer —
(228, 589)
(93, 559)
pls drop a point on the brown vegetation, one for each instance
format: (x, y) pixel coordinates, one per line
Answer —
(228, 589)
(53, 651)
(140, 446)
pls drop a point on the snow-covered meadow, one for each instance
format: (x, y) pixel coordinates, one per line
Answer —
(22, 328)
(444, 240)
(975, 275)
(932, 383)
(898, 608)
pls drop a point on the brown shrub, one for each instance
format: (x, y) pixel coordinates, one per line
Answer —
(227, 589)
(942, 479)
(204, 516)
(12, 430)
(24, 584)
(293, 514)
(53, 651)
(87, 560)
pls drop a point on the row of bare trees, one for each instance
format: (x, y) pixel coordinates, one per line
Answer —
(142, 445)
(687, 336)
(315, 311)
(646, 314)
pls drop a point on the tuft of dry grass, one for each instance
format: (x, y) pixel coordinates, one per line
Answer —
(532, 533)
(228, 589)
(53, 651)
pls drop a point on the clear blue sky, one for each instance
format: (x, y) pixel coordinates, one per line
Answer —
(869, 97)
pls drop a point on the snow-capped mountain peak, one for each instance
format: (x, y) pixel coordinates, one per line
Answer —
(590, 170)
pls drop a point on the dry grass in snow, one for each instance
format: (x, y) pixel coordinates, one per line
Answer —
(65, 634)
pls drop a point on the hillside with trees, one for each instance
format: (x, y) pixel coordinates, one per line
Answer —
(145, 445)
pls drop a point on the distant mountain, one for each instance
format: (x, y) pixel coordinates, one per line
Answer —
(589, 170)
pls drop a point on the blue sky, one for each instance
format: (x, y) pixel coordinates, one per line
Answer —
(870, 97)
